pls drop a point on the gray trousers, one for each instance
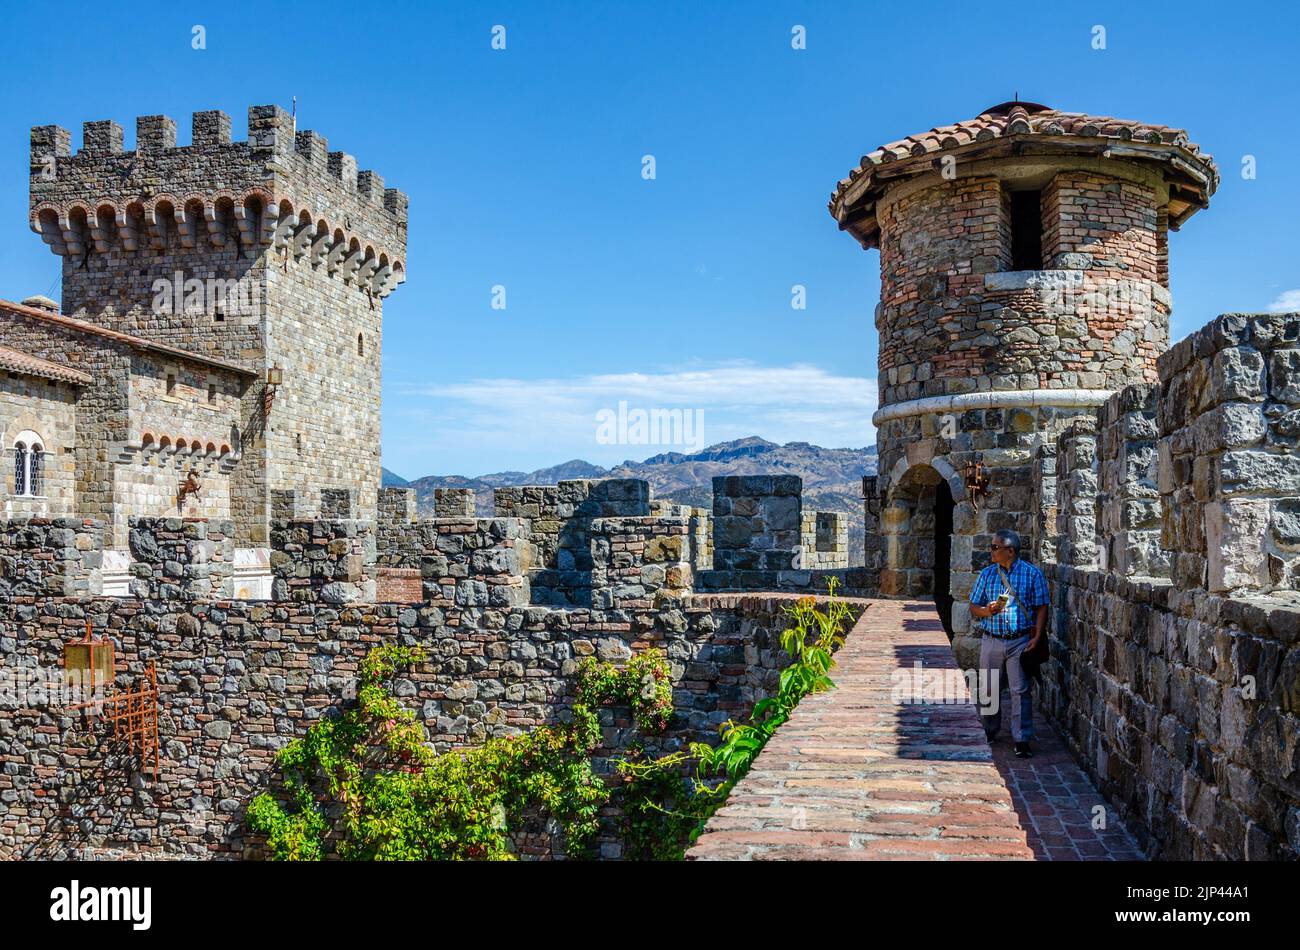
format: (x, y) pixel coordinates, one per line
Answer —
(995, 655)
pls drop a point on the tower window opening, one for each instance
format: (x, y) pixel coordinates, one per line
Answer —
(171, 384)
(1026, 230)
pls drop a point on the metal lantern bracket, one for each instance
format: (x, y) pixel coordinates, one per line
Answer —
(133, 713)
(977, 481)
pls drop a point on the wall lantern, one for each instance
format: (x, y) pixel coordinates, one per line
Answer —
(88, 667)
(977, 481)
(274, 379)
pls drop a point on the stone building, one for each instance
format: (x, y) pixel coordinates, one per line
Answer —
(38, 417)
(222, 307)
(135, 420)
(1024, 279)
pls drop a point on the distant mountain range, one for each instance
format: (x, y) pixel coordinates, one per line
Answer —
(832, 478)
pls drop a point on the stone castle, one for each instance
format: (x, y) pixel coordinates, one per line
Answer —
(195, 436)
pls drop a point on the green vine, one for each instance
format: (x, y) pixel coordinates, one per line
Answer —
(663, 813)
(644, 684)
(368, 778)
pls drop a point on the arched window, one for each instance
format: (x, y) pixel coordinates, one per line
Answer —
(20, 468)
(361, 345)
(29, 464)
(36, 465)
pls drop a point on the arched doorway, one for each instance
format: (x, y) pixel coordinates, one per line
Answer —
(916, 525)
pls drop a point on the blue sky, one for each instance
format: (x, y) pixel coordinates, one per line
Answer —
(524, 170)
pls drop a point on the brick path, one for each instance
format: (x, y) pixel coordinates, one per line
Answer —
(855, 775)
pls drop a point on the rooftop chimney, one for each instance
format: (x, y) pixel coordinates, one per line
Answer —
(41, 302)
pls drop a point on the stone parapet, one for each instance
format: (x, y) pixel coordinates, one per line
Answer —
(1229, 468)
(757, 521)
(182, 559)
(1182, 706)
(824, 536)
(636, 562)
(330, 562)
(61, 557)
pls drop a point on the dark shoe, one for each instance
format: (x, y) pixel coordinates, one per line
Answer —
(1023, 751)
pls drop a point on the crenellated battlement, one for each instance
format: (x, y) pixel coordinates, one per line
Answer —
(280, 192)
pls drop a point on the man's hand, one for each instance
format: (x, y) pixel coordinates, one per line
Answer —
(995, 606)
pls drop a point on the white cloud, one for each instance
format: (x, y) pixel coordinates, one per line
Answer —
(1286, 302)
(526, 423)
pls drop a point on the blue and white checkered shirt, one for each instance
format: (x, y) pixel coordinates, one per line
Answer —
(1017, 618)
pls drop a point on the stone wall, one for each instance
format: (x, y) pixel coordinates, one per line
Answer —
(182, 559)
(756, 522)
(701, 530)
(1178, 693)
(1229, 418)
(637, 562)
(454, 502)
(238, 680)
(331, 562)
(559, 521)
(476, 562)
(1128, 519)
(1183, 707)
(50, 557)
(824, 536)
(1076, 495)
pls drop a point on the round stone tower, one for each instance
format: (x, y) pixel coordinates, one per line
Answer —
(1023, 279)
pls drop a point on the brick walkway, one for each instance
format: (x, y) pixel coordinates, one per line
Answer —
(855, 775)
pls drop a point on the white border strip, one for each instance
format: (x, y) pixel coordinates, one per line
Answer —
(994, 399)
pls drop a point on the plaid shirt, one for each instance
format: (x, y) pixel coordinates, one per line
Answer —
(1017, 618)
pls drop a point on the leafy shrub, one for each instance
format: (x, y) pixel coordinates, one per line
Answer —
(369, 779)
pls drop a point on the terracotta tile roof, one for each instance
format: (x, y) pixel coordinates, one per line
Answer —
(18, 362)
(81, 326)
(1127, 138)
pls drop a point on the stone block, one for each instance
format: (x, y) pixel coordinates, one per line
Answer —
(1235, 533)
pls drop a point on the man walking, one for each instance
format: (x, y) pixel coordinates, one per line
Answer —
(1010, 597)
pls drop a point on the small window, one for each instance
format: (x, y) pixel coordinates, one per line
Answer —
(35, 478)
(171, 384)
(219, 316)
(29, 465)
(1026, 230)
(212, 392)
(20, 469)
(361, 344)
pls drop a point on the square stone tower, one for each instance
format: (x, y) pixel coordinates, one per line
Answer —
(1023, 280)
(273, 253)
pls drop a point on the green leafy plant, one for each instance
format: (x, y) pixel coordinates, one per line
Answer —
(368, 779)
(644, 684)
(661, 817)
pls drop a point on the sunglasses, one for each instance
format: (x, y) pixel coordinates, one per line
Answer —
(999, 547)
